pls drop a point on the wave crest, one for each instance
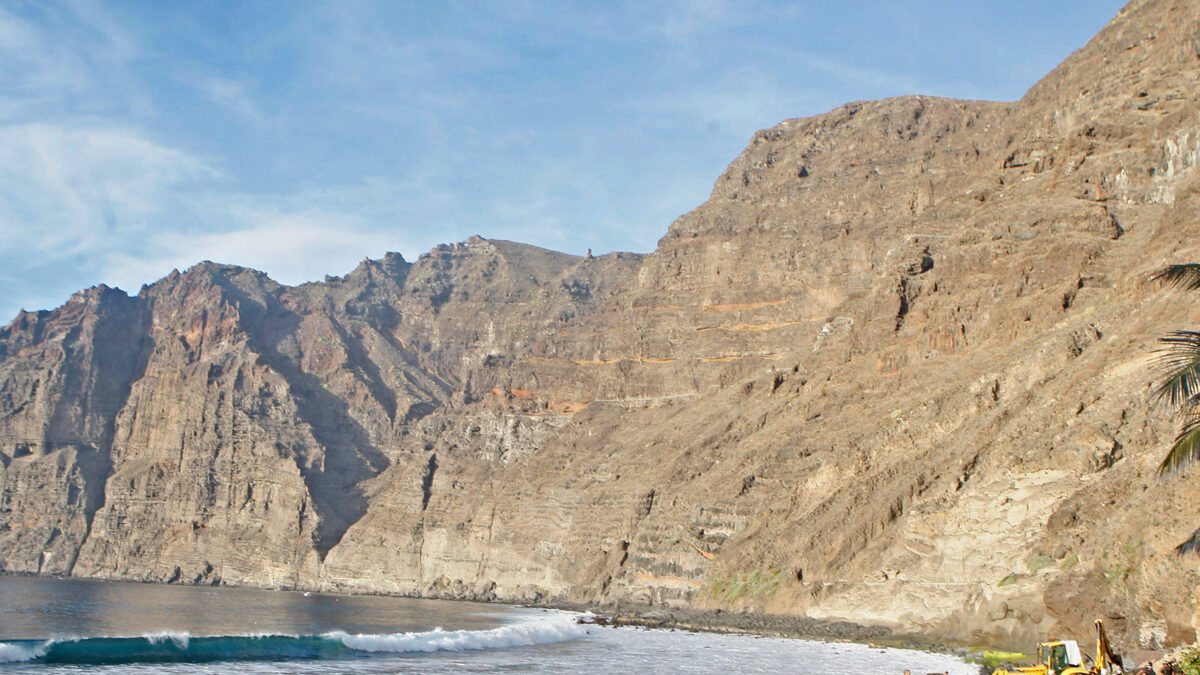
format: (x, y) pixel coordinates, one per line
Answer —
(438, 640)
(169, 647)
(15, 653)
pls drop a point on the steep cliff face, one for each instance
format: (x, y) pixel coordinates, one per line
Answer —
(64, 377)
(894, 371)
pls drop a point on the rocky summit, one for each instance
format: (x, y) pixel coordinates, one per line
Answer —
(896, 371)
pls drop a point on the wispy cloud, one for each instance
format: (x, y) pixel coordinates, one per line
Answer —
(232, 95)
(66, 59)
(38, 72)
(292, 247)
(66, 189)
(100, 199)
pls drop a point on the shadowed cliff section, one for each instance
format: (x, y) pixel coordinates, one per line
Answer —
(65, 376)
(892, 372)
(345, 455)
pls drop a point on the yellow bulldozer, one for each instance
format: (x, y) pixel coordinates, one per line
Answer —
(1062, 657)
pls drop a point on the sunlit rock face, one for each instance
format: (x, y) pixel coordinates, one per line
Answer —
(894, 372)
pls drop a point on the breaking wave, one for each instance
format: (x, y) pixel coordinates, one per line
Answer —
(183, 648)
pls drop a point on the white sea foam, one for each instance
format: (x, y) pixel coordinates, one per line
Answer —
(180, 639)
(10, 653)
(526, 634)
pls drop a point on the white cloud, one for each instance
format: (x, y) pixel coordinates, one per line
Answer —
(37, 70)
(120, 44)
(15, 34)
(66, 56)
(290, 247)
(66, 189)
(115, 207)
(232, 95)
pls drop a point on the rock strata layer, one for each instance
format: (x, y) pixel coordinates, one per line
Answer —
(893, 372)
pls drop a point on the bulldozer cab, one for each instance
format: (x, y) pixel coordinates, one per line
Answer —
(1061, 657)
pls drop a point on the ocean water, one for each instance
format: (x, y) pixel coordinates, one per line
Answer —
(75, 626)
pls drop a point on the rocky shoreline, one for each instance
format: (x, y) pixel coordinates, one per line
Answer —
(767, 625)
(717, 621)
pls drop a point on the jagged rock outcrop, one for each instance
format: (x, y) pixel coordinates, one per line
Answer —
(894, 372)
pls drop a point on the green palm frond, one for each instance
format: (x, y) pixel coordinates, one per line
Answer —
(1180, 359)
(1186, 276)
(1186, 448)
(1192, 545)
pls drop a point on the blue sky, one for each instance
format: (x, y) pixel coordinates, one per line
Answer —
(299, 138)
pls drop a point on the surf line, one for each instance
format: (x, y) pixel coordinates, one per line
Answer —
(183, 648)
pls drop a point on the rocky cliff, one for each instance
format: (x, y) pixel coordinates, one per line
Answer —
(894, 371)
